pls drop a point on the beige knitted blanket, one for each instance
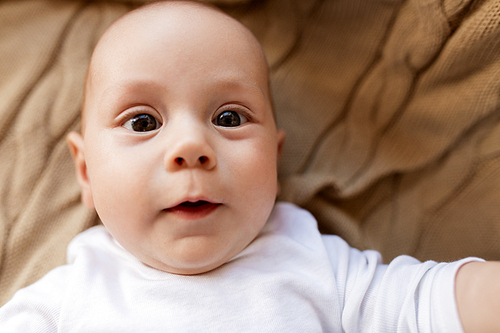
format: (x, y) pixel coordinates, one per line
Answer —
(392, 113)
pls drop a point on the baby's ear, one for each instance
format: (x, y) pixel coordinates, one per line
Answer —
(75, 142)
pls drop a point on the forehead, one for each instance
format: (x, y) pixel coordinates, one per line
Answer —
(175, 41)
(179, 35)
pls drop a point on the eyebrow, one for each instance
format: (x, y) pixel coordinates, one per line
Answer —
(227, 82)
(122, 90)
(235, 82)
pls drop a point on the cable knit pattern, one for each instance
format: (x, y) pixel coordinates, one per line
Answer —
(391, 108)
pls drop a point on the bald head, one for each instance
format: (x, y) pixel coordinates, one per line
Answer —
(182, 33)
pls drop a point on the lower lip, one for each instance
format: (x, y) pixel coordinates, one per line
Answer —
(192, 213)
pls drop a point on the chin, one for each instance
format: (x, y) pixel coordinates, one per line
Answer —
(190, 270)
(185, 266)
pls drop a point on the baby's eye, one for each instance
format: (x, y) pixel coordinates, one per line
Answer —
(142, 123)
(230, 119)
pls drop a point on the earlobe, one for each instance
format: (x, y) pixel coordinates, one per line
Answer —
(76, 147)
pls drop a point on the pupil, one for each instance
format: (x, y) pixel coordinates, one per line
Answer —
(143, 123)
(229, 119)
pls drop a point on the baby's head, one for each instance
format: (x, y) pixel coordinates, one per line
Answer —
(179, 147)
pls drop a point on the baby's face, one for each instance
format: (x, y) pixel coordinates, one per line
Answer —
(180, 145)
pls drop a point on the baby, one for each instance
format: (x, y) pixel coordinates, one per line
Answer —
(178, 155)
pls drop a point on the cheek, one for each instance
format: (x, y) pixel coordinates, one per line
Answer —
(254, 172)
(119, 184)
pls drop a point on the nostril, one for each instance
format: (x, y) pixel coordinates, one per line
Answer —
(203, 159)
(179, 160)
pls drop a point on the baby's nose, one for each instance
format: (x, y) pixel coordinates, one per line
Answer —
(192, 151)
(202, 160)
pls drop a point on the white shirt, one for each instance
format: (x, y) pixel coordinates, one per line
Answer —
(289, 279)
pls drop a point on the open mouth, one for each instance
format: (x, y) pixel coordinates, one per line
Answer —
(189, 204)
(191, 210)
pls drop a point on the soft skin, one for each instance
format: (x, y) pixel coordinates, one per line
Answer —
(183, 64)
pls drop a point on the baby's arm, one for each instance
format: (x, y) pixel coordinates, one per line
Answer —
(477, 292)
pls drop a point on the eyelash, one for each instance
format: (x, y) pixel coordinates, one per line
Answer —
(233, 108)
(130, 115)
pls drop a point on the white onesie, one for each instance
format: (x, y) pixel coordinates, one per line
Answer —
(289, 279)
